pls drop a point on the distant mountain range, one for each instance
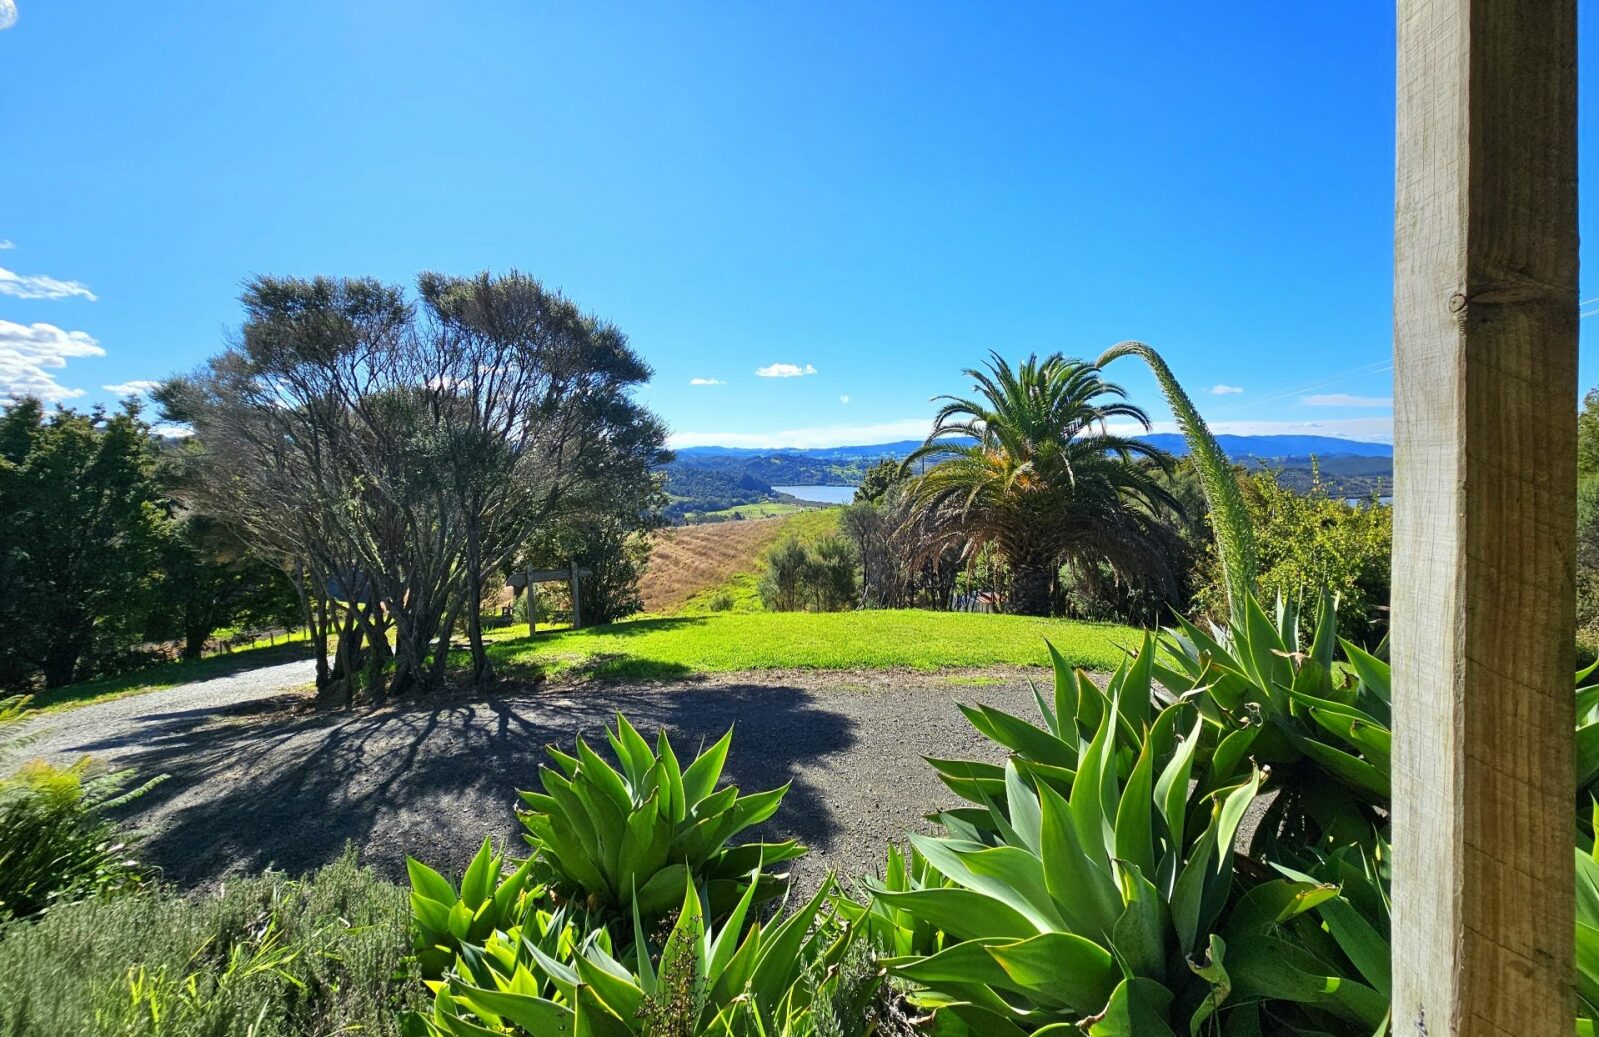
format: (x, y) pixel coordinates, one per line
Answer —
(716, 480)
(1239, 448)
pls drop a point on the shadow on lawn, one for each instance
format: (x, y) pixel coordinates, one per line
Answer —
(432, 779)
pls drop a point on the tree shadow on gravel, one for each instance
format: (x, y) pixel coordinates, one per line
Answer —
(432, 779)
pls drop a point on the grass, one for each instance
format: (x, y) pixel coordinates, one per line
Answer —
(689, 565)
(167, 675)
(730, 642)
(764, 509)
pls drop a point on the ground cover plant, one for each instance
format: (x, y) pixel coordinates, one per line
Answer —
(266, 956)
(880, 638)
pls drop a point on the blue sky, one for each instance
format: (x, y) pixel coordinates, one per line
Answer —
(872, 196)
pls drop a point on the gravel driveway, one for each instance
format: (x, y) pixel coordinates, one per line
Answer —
(257, 780)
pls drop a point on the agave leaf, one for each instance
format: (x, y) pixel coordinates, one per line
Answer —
(429, 883)
(1022, 803)
(1059, 969)
(673, 805)
(703, 774)
(477, 883)
(592, 1018)
(962, 913)
(1084, 893)
(1214, 972)
(657, 896)
(1138, 1007)
(1135, 833)
(1171, 790)
(619, 995)
(533, 1014)
(1273, 968)
(1139, 936)
(1019, 736)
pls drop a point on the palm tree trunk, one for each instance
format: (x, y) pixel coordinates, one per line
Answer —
(1030, 589)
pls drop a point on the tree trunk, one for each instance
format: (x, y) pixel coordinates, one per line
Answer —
(1030, 589)
(481, 669)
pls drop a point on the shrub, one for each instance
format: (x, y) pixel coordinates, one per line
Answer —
(627, 840)
(721, 601)
(820, 577)
(57, 840)
(1312, 542)
(782, 587)
(264, 956)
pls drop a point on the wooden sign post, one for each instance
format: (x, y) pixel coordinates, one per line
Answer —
(571, 575)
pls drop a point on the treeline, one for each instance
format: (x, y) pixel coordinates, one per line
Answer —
(102, 568)
(365, 464)
(692, 489)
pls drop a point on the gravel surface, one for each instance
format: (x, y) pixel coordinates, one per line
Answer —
(256, 779)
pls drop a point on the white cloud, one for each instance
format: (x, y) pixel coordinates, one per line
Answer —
(6, 243)
(137, 387)
(1369, 430)
(784, 370)
(30, 352)
(38, 286)
(706, 381)
(844, 398)
(8, 13)
(1226, 390)
(1343, 399)
(811, 438)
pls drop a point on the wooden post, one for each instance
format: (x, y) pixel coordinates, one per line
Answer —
(533, 603)
(577, 591)
(1484, 517)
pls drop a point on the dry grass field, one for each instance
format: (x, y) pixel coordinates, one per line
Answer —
(688, 559)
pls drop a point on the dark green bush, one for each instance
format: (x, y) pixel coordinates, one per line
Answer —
(261, 956)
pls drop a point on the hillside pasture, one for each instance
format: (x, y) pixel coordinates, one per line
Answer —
(690, 564)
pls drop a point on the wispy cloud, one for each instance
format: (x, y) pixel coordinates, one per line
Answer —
(1343, 399)
(8, 13)
(1226, 390)
(706, 381)
(784, 371)
(844, 398)
(137, 387)
(6, 243)
(811, 438)
(29, 353)
(39, 286)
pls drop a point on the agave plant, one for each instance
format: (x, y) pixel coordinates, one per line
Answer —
(489, 900)
(740, 980)
(1103, 895)
(619, 839)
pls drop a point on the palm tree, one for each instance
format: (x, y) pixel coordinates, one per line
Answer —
(1030, 466)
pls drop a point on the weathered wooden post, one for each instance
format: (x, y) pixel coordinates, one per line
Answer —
(1484, 517)
(577, 594)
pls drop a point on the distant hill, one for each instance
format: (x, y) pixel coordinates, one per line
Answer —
(708, 478)
(1239, 448)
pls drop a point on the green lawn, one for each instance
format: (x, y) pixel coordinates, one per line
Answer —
(726, 642)
(167, 675)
